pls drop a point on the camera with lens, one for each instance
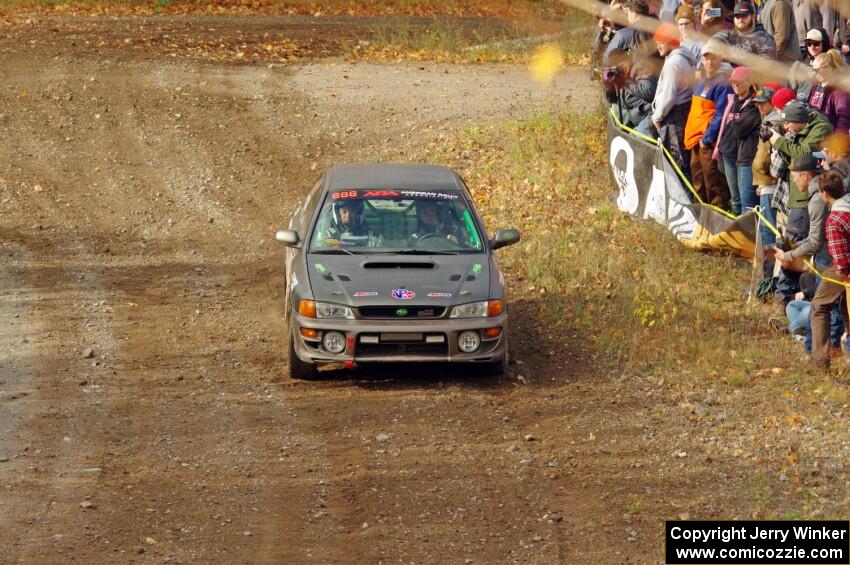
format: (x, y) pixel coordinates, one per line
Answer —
(767, 130)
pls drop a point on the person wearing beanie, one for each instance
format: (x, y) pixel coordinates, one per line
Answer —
(686, 21)
(832, 102)
(745, 35)
(703, 126)
(739, 141)
(673, 94)
(777, 18)
(782, 97)
(837, 149)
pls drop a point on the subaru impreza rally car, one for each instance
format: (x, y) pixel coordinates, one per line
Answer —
(391, 263)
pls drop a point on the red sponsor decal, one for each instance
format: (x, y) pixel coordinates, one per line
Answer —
(380, 194)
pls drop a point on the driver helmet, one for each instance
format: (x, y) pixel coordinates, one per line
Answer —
(355, 208)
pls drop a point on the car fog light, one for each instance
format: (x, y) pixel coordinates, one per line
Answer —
(334, 342)
(469, 341)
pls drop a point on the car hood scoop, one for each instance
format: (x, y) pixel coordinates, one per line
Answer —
(360, 280)
(399, 265)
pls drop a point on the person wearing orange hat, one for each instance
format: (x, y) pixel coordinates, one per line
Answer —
(837, 149)
(673, 94)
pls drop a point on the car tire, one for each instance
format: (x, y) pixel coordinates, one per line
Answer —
(298, 369)
(495, 368)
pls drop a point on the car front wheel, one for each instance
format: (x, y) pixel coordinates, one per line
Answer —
(298, 369)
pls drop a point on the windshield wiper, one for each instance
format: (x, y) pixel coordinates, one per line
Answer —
(333, 252)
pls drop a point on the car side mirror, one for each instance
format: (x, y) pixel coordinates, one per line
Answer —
(288, 237)
(504, 238)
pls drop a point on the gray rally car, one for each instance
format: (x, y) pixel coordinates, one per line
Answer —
(391, 263)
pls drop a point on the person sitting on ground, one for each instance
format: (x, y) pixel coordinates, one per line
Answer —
(824, 96)
(673, 95)
(746, 35)
(739, 140)
(799, 314)
(630, 87)
(703, 125)
(838, 244)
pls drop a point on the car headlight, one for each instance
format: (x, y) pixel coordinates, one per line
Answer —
(324, 310)
(483, 309)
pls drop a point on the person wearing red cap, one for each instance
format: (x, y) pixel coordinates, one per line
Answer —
(673, 94)
(746, 35)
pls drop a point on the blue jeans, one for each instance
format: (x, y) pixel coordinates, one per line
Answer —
(799, 314)
(739, 178)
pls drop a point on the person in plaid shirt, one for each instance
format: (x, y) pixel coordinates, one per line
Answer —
(838, 243)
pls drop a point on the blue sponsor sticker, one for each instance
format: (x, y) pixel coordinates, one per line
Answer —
(403, 294)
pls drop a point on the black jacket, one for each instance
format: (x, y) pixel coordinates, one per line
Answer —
(741, 135)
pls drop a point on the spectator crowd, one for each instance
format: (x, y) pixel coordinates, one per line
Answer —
(746, 141)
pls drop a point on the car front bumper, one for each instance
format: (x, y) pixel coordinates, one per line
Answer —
(400, 341)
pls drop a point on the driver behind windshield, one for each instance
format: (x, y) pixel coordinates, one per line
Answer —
(347, 220)
(431, 221)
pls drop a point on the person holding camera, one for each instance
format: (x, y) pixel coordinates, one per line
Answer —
(630, 86)
(631, 39)
(703, 126)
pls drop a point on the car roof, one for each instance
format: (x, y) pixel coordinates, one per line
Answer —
(377, 176)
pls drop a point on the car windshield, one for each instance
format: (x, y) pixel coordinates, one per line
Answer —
(395, 221)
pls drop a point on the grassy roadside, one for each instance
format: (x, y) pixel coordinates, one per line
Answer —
(513, 42)
(650, 311)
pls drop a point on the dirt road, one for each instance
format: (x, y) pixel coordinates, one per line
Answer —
(144, 416)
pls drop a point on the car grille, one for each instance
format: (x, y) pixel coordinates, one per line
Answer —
(399, 349)
(392, 312)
